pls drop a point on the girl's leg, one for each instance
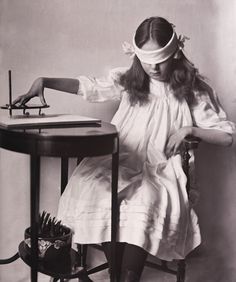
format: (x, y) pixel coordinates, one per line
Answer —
(130, 261)
(120, 247)
(134, 259)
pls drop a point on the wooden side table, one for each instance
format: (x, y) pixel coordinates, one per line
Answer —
(63, 142)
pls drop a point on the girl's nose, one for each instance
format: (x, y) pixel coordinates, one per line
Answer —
(155, 66)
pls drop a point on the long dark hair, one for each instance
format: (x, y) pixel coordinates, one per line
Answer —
(184, 78)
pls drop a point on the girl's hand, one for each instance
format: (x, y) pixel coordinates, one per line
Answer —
(175, 140)
(36, 89)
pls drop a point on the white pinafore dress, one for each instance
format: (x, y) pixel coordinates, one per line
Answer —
(154, 210)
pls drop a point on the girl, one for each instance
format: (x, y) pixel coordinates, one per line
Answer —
(162, 100)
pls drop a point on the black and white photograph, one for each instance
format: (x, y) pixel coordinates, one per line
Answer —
(117, 141)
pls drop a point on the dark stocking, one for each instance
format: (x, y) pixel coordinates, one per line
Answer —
(130, 256)
(133, 261)
(120, 247)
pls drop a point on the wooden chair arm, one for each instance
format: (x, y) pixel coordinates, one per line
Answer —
(189, 143)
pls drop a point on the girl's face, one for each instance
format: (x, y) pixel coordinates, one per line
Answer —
(159, 71)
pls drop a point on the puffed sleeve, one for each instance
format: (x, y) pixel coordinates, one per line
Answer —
(208, 113)
(101, 89)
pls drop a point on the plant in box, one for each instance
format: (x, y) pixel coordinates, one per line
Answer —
(54, 239)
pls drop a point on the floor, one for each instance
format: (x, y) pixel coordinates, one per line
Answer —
(202, 266)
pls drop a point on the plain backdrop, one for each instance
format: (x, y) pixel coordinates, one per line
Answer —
(66, 38)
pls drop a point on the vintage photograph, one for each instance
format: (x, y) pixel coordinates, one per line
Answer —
(117, 141)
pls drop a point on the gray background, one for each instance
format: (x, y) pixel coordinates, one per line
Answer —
(65, 38)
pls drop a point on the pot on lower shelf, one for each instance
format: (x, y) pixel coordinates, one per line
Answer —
(54, 243)
(50, 248)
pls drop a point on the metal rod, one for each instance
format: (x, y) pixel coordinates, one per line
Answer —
(10, 93)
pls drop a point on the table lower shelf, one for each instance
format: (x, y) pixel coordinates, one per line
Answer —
(67, 268)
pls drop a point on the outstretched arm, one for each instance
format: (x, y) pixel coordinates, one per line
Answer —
(68, 85)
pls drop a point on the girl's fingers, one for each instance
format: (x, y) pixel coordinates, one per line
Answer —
(169, 150)
(176, 148)
(42, 99)
(17, 100)
(172, 149)
(21, 100)
(24, 100)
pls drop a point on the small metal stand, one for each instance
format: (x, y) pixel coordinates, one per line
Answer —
(24, 108)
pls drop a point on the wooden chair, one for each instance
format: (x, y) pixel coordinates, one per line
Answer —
(190, 143)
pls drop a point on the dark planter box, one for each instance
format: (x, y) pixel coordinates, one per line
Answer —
(51, 248)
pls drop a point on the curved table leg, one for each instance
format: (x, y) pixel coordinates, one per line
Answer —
(9, 260)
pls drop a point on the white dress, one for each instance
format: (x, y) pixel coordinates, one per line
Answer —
(154, 209)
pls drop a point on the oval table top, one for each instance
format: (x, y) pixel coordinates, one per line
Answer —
(68, 141)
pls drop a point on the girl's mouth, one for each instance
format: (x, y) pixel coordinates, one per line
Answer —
(155, 74)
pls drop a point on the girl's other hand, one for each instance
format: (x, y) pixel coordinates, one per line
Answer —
(175, 141)
(36, 90)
